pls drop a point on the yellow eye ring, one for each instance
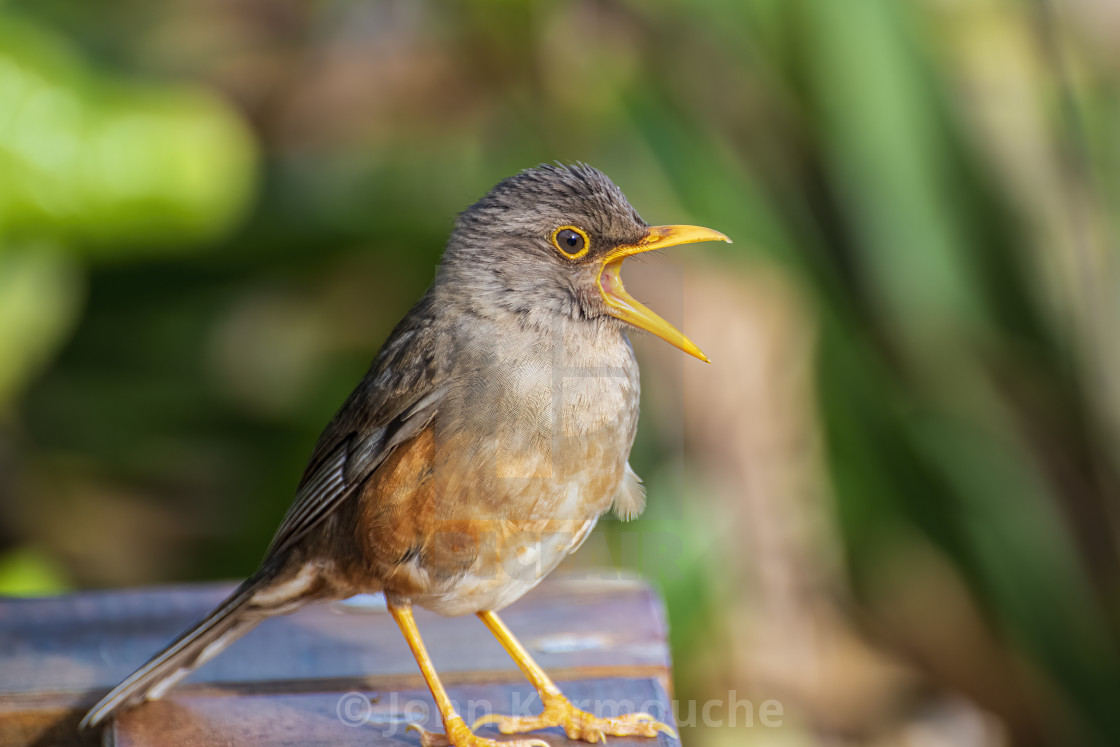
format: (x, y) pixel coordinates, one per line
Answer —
(572, 238)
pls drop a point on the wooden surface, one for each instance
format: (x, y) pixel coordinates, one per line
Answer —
(370, 718)
(303, 678)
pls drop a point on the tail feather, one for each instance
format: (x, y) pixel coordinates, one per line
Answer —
(229, 621)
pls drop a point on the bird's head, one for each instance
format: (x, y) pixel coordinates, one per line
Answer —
(551, 240)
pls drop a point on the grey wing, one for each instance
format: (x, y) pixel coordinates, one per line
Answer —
(398, 397)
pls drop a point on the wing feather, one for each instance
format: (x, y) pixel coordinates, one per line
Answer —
(399, 396)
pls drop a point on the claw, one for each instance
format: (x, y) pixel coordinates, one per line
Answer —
(429, 738)
(578, 724)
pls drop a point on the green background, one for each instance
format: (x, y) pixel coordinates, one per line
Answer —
(891, 503)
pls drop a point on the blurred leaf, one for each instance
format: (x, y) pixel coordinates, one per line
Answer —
(118, 167)
(40, 296)
(30, 571)
(886, 150)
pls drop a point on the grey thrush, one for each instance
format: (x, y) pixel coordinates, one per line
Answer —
(491, 432)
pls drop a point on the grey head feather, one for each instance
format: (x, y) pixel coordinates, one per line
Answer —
(500, 257)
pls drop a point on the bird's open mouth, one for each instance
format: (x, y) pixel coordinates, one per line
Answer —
(624, 306)
(610, 281)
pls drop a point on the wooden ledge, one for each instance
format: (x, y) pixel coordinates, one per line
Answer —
(329, 674)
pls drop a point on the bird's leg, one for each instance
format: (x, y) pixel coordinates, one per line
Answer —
(457, 732)
(558, 710)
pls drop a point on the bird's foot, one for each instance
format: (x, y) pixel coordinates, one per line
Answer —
(577, 724)
(459, 735)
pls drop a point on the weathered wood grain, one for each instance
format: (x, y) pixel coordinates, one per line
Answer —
(369, 718)
(58, 655)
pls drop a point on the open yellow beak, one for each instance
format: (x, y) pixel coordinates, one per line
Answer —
(626, 307)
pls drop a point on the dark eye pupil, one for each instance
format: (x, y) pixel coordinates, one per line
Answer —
(570, 240)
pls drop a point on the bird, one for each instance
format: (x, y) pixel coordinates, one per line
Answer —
(491, 431)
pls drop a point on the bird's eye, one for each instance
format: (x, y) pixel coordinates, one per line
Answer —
(571, 241)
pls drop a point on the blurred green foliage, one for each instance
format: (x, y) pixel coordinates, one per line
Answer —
(937, 179)
(93, 169)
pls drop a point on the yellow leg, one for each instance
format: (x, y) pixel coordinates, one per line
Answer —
(457, 733)
(558, 710)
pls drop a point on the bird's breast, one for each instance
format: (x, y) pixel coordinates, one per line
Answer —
(529, 451)
(558, 412)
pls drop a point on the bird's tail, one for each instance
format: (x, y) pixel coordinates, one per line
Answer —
(233, 618)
